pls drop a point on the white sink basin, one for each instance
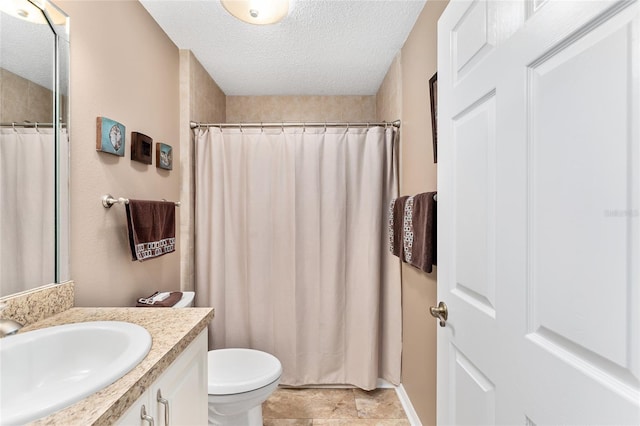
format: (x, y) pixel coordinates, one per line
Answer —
(45, 370)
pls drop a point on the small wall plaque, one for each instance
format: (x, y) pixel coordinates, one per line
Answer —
(164, 156)
(110, 136)
(141, 147)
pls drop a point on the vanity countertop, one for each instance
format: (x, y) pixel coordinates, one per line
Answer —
(172, 330)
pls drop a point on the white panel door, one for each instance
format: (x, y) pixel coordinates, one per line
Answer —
(539, 212)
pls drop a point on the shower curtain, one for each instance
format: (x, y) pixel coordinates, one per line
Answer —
(27, 185)
(291, 249)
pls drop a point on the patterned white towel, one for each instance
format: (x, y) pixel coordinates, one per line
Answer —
(408, 229)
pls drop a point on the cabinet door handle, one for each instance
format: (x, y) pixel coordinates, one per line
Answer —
(164, 402)
(145, 417)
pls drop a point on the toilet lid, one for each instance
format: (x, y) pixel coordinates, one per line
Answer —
(241, 370)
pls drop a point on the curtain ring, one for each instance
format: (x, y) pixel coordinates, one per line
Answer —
(304, 127)
(240, 128)
(325, 127)
(36, 126)
(262, 127)
(282, 124)
(13, 125)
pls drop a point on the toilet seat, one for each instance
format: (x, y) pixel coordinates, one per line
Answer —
(235, 370)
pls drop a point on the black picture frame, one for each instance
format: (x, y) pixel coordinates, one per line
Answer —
(141, 148)
(433, 98)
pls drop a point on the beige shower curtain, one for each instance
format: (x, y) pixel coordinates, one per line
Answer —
(291, 249)
(27, 229)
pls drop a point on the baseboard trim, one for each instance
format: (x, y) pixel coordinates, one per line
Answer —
(383, 384)
(414, 420)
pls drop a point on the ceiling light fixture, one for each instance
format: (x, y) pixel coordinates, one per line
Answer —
(259, 12)
(23, 9)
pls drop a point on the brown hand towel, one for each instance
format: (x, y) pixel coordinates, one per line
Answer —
(152, 228)
(423, 219)
(396, 214)
(174, 297)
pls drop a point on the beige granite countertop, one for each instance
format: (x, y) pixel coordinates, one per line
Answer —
(171, 331)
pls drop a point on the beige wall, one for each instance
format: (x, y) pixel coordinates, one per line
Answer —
(409, 76)
(123, 67)
(254, 109)
(201, 100)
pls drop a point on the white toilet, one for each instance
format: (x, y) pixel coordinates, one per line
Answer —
(240, 380)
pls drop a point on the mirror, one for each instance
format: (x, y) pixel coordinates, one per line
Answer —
(34, 145)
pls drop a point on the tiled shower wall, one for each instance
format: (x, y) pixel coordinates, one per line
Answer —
(255, 109)
(201, 100)
(23, 100)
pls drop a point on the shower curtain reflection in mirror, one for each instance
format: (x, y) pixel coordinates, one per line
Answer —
(291, 249)
(27, 229)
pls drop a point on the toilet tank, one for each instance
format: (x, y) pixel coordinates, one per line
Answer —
(187, 300)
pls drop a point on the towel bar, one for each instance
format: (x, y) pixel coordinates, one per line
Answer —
(108, 200)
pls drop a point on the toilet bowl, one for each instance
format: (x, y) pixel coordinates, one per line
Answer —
(239, 381)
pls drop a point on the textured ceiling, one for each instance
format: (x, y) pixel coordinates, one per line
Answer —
(338, 47)
(26, 49)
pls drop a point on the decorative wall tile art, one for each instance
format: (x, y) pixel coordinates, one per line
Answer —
(110, 136)
(141, 147)
(164, 156)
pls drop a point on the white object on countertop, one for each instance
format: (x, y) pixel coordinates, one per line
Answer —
(160, 296)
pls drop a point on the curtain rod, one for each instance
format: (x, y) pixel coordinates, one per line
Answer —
(28, 124)
(195, 125)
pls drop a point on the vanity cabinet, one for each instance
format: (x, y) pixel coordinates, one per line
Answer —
(179, 396)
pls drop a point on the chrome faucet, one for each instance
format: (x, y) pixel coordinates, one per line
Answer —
(8, 326)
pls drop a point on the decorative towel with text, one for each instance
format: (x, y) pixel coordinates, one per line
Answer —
(152, 230)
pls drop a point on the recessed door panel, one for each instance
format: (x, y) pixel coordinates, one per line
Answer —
(474, 153)
(581, 209)
(473, 37)
(474, 402)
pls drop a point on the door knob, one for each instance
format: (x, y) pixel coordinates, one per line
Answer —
(440, 312)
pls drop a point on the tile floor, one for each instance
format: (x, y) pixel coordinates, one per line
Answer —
(335, 407)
